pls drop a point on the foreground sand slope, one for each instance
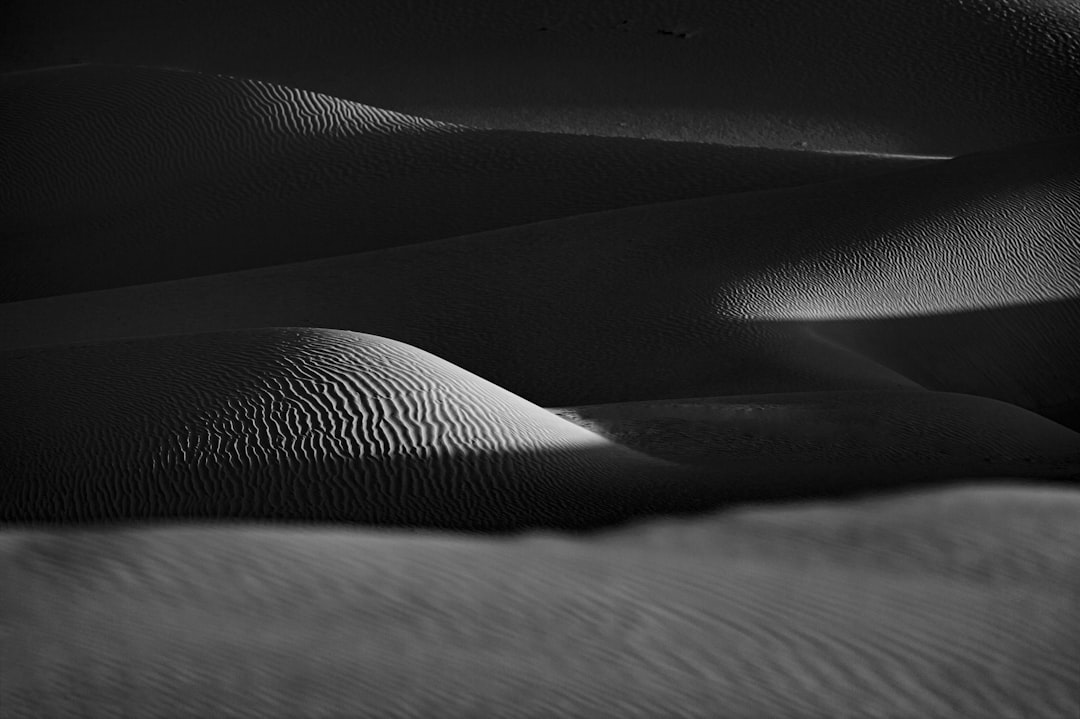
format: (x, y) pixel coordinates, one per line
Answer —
(960, 276)
(927, 76)
(124, 175)
(809, 443)
(947, 604)
(301, 424)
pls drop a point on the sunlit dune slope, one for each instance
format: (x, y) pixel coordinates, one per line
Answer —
(125, 175)
(842, 439)
(301, 424)
(959, 276)
(948, 604)
(924, 76)
(412, 358)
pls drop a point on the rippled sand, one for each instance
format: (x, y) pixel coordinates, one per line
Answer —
(608, 359)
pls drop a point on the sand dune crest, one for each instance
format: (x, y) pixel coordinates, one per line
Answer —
(696, 298)
(304, 425)
(925, 76)
(119, 175)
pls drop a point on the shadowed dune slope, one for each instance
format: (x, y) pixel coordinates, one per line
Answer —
(925, 76)
(125, 175)
(960, 276)
(840, 439)
(300, 424)
(956, 604)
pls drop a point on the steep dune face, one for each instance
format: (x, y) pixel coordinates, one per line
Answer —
(953, 604)
(959, 276)
(305, 424)
(928, 76)
(126, 175)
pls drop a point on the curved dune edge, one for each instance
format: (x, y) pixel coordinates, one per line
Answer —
(836, 438)
(937, 76)
(844, 617)
(306, 425)
(273, 515)
(956, 277)
(118, 175)
(301, 424)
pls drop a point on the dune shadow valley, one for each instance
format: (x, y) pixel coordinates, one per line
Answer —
(619, 359)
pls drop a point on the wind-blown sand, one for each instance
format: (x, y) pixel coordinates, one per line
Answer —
(366, 359)
(946, 604)
(323, 425)
(126, 175)
(960, 276)
(301, 424)
(922, 76)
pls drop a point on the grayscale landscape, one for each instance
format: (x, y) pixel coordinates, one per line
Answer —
(610, 359)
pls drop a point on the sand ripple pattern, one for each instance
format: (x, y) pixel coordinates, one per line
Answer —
(119, 175)
(414, 359)
(924, 76)
(304, 425)
(204, 122)
(760, 613)
(587, 309)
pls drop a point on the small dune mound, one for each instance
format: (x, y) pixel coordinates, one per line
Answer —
(810, 443)
(947, 604)
(299, 424)
(119, 175)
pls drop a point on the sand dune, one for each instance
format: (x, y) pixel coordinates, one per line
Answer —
(300, 424)
(324, 425)
(960, 276)
(926, 76)
(955, 604)
(816, 441)
(125, 175)
(285, 289)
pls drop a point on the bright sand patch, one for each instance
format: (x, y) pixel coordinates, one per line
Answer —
(960, 276)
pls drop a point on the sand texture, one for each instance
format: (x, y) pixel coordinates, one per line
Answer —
(922, 76)
(948, 604)
(411, 359)
(227, 173)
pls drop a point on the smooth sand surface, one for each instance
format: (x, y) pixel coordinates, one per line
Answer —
(960, 276)
(125, 175)
(922, 76)
(842, 439)
(945, 604)
(305, 425)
